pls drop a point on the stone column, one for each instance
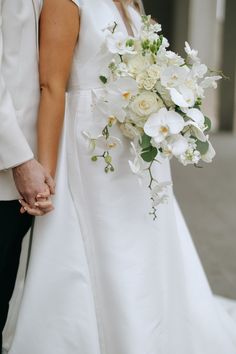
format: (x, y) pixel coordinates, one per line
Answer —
(204, 35)
(228, 87)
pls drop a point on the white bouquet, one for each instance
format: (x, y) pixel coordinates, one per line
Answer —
(155, 97)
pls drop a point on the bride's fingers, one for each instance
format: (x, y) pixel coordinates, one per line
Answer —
(22, 210)
(32, 211)
(45, 205)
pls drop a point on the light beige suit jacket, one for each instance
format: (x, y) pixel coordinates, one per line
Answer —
(19, 87)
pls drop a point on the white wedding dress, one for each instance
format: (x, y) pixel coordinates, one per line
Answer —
(104, 278)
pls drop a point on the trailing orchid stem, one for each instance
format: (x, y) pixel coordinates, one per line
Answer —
(152, 180)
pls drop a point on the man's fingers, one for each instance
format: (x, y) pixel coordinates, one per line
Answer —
(44, 195)
(30, 199)
(51, 184)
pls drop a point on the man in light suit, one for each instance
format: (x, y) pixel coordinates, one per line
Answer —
(21, 176)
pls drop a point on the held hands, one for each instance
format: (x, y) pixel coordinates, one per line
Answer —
(36, 186)
(43, 205)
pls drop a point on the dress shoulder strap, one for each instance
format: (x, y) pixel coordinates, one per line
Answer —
(78, 2)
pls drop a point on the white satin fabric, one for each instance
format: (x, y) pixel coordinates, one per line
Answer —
(103, 277)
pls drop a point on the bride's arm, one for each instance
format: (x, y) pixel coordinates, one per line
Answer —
(59, 29)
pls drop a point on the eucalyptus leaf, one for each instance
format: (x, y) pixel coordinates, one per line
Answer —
(149, 155)
(103, 79)
(202, 146)
(207, 124)
(145, 141)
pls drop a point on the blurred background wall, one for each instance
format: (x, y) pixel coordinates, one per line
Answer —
(207, 196)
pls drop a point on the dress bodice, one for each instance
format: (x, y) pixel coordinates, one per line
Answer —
(90, 58)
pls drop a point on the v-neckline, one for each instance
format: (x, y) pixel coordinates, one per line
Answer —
(116, 9)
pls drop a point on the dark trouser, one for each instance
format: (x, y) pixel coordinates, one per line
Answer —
(13, 227)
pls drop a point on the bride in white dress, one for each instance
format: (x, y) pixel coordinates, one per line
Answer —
(104, 278)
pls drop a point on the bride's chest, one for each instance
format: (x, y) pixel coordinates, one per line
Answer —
(96, 17)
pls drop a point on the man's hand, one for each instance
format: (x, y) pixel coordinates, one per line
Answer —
(31, 179)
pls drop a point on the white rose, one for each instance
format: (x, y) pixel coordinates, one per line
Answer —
(164, 94)
(154, 71)
(140, 79)
(130, 131)
(137, 64)
(146, 103)
(136, 119)
(149, 83)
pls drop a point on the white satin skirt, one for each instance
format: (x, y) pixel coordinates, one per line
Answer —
(104, 278)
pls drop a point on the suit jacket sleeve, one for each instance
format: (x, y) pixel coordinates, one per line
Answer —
(14, 148)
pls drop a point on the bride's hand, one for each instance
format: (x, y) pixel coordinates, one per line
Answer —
(43, 205)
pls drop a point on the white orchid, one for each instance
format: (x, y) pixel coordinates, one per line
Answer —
(183, 97)
(210, 82)
(137, 166)
(197, 116)
(115, 99)
(192, 53)
(163, 124)
(174, 59)
(107, 107)
(198, 70)
(194, 129)
(117, 43)
(101, 142)
(173, 76)
(174, 145)
(91, 141)
(159, 193)
(122, 90)
(109, 143)
(210, 154)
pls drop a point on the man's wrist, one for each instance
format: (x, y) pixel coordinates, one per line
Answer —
(21, 164)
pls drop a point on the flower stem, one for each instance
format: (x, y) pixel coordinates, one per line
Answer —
(152, 180)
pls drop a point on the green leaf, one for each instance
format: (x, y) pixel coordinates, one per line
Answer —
(202, 146)
(130, 42)
(149, 155)
(198, 103)
(103, 79)
(207, 124)
(145, 141)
